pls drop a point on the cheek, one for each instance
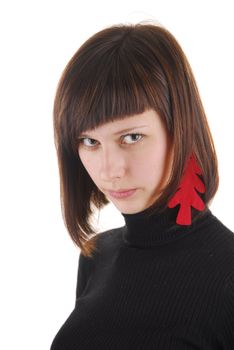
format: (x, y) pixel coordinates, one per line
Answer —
(89, 164)
(151, 168)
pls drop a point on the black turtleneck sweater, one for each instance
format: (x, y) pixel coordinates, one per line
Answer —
(153, 284)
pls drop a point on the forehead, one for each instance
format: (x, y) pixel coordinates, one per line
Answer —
(146, 119)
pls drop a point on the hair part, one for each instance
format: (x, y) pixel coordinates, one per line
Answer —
(120, 71)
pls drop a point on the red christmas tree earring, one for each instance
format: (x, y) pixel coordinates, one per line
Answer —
(186, 194)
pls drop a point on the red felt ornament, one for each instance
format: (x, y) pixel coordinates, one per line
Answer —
(186, 194)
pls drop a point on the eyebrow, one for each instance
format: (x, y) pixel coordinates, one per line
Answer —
(124, 130)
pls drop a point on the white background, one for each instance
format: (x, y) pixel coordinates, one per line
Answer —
(38, 260)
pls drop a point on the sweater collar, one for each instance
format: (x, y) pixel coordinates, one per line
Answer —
(160, 228)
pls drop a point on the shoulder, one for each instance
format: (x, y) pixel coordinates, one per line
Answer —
(107, 241)
(109, 238)
(219, 240)
(225, 234)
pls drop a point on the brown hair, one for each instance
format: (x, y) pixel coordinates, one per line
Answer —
(121, 71)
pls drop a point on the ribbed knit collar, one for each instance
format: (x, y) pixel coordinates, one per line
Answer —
(160, 228)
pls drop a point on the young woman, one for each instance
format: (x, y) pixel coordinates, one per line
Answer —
(130, 129)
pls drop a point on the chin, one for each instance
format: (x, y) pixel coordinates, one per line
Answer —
(130, 209)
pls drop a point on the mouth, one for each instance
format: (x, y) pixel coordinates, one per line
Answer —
(122, 193)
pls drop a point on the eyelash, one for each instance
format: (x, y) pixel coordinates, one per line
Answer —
(81, 139)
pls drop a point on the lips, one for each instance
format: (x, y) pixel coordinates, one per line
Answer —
(121, 190)
(122, 193)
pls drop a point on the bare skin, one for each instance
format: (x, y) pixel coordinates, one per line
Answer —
(126, 161)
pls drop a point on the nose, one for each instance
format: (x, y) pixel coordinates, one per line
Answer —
(112, 164)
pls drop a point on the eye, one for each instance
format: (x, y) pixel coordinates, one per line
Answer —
(91, 143)
(133, 136)
(82, 139)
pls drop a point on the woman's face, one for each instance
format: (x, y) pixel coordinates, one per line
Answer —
(117, 160)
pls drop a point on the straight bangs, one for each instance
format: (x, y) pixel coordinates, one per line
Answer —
(121, 78)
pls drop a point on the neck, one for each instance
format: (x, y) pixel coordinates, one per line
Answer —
(145, 231)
